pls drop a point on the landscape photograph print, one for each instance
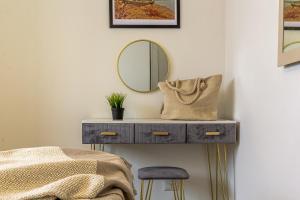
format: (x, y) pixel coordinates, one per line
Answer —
(292, 14)
(144, 13)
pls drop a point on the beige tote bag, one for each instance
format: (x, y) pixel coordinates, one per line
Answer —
(194, 99)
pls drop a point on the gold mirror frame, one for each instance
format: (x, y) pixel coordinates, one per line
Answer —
(290, 57)
(124, 48)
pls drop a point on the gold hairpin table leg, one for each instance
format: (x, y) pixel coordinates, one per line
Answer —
(142, 190)
(102, 147)
(93, 147)
(174, 187)
(178, 190)
(220, 185)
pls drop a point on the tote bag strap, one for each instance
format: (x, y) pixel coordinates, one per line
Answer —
(199, 86)
(183, 92)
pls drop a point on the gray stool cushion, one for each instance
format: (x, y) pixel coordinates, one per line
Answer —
(164, 173)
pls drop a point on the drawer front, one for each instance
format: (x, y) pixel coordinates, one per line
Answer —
(211, 133)
(160, 133)
(108, 133)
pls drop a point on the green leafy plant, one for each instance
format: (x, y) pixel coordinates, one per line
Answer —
(116, 100)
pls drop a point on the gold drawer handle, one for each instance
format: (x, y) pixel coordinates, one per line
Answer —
(160, 133)
(213, 133)
(108, 133)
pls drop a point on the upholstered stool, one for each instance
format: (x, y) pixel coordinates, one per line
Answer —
(163, 173)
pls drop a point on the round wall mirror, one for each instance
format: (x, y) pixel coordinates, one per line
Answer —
(142, 64)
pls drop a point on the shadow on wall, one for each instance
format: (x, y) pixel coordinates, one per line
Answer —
(226, 107)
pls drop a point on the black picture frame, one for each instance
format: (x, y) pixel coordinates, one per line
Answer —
(112, 25)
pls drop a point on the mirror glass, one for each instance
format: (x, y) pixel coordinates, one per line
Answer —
(142, 64)
(291, 23)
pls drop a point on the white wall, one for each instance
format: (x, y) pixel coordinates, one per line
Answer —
(19, 68)
(265, 99)
(58, 62)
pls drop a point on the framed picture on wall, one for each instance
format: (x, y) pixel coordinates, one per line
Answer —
(292, 15)
(144, 13)
(289, 32)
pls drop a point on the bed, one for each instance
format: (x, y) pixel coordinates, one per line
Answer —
(58, 173)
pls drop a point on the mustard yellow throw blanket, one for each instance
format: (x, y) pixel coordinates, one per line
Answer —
(54, 172)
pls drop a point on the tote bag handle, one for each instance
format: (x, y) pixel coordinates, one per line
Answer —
(199, 86)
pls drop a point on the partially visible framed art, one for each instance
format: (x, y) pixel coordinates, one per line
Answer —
(144, 13)
(289, 32)
(291, 15)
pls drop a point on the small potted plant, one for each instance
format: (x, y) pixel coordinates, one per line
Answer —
(116, 101)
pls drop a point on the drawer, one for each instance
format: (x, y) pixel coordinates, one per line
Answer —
(160, 133)
(211, 133)
(108, 133)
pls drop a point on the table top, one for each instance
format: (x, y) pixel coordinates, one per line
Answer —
(154, 121)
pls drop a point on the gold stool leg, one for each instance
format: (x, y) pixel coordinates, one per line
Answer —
(142, 190)
(149, 190)
(183, 192)
(182, 196)
(174, 190)
(178, 190)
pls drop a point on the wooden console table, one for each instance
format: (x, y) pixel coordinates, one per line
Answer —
(155, 131)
